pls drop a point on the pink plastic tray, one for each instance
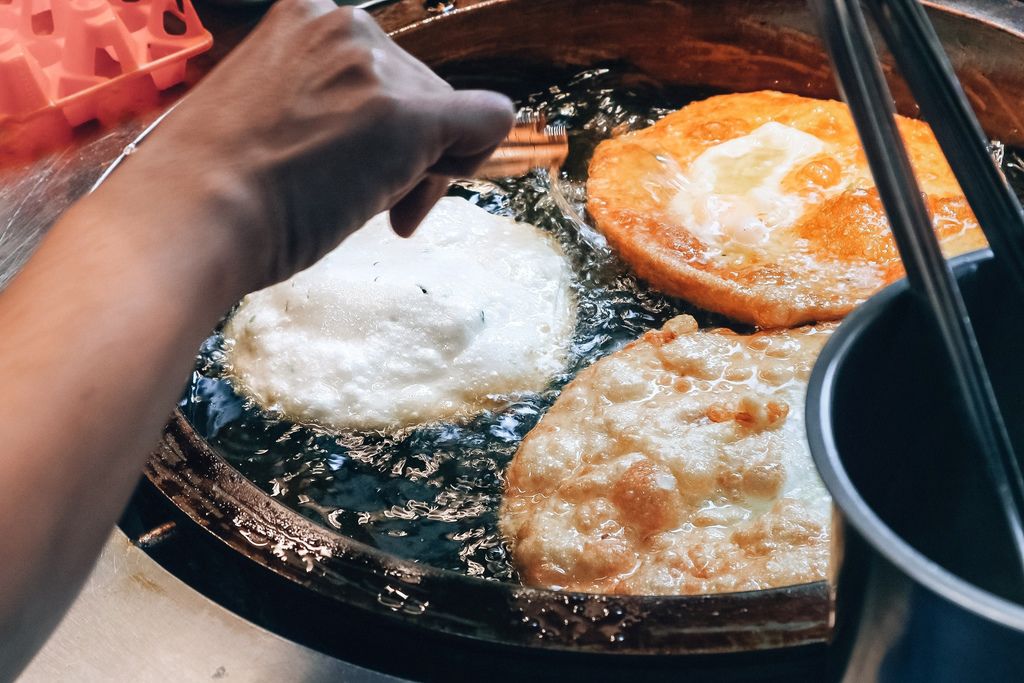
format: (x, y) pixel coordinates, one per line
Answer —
(64, 62)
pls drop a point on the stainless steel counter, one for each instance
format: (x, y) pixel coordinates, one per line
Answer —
(136, 622)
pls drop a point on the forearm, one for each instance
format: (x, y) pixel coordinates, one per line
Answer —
(313, 124)
(97, 335)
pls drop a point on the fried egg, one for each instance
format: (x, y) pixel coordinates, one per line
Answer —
(386, 332)
(761, 206)
(677, 465)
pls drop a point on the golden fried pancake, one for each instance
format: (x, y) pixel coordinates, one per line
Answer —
(677, 465)
(761, 206)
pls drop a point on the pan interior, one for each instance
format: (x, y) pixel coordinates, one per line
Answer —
(431, 493)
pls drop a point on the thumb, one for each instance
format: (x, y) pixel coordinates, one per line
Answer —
(411, 209)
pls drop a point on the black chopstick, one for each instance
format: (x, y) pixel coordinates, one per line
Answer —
(860, 78)
(922, 61)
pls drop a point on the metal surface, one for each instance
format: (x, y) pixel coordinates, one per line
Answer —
(829, 459)
(133, 621)
(33, 195)
(921, 520)
(735, 45)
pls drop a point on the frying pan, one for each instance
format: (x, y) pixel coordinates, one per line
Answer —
(726, 45)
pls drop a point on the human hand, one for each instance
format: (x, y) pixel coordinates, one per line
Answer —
(313, 124)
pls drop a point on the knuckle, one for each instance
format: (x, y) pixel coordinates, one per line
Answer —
(355, 66)
(362, 19)
(343, 17)
(335, 28)
(361, 63)
(367, 27)
(297, 8)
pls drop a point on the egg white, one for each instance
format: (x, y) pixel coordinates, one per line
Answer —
(732, 192)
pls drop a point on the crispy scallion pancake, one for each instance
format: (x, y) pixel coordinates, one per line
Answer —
(677, 465)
